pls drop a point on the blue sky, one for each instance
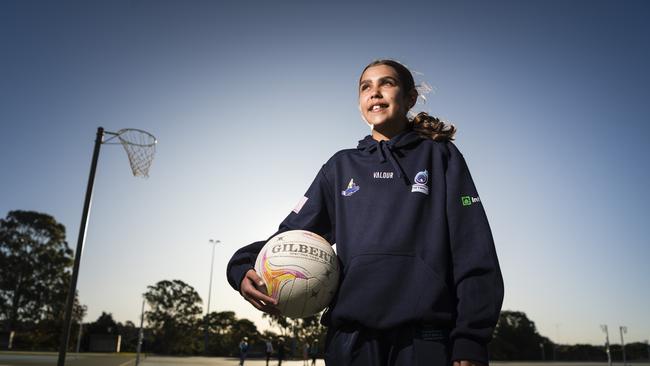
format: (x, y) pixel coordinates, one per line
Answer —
(248, 99)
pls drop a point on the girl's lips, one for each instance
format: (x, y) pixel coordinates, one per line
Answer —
(378, 107)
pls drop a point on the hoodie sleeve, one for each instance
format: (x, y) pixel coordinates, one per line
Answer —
(314, 212)
(477, 276)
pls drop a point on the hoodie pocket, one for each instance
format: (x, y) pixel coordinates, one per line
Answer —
(382, 290)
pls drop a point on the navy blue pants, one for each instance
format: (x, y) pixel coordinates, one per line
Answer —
(407, 345)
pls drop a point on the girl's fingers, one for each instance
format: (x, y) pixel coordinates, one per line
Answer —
(256, 304)
(257, 280)
(256, 294)
(259, 297)
(257, 289)
(267, 308)
(253, 290)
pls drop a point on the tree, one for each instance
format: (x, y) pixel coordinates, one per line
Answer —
(281, 322)
(33, 259)
(221, 322)
(245, 328)
(35, 263)
(226, 331)
(130, 333)
(174, 317)
(310, 328)
(516, 338)
(299, 329)
(220, 328)
(46, 334)
(106, 325)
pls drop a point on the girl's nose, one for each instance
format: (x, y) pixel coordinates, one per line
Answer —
(375, 93)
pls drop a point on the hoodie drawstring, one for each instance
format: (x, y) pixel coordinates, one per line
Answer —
(387, 148)
(384, 150)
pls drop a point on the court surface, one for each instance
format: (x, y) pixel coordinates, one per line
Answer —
(205, 361)
(72, 359)
(88, 359)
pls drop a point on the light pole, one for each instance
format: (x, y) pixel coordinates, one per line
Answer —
(140, 334)
(623, 329)
(207, 313)
(557, 335)
(609, 355)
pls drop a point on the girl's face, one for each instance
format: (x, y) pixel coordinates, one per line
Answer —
(382, 100)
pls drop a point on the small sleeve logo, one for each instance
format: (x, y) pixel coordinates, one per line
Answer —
(468, 200)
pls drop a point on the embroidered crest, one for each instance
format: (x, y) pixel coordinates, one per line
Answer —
(421, 180)
(351, 189)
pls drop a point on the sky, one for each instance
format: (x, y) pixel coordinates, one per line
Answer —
(248, 99)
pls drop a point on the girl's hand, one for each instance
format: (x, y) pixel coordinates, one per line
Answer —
(467, 363)
(253, 290)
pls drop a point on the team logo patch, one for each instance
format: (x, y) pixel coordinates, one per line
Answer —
(420, 184)
(352, 189)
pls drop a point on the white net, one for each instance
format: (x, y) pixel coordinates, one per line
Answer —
(140, 146)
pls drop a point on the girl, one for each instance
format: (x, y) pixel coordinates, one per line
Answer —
(420, 280)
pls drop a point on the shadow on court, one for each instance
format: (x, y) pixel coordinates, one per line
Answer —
(217, 361)
(72, 359)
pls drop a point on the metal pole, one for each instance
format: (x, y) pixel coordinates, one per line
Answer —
(623, 329)
(555, 344)
(140, 335)
(81, 325)
(609, 355)
(67, 324)
(207, 313)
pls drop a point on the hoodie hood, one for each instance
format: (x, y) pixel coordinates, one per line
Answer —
(385, 149)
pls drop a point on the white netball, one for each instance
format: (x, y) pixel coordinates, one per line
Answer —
(300, 270)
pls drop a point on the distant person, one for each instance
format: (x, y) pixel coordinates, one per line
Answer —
(420, 278)
(269, 350)
(305, 354)
(243, 350)
(313, 352)
(281, 351)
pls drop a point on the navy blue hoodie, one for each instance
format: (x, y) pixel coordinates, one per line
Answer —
(412, 238)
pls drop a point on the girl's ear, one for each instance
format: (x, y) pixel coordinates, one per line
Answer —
(412, 98)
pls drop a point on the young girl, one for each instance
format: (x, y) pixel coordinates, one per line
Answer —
(420, 280)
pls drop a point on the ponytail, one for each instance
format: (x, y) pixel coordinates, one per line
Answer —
(433, 128)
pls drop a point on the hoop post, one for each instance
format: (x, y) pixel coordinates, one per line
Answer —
(67, 325)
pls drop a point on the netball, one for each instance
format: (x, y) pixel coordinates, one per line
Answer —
(300, 270)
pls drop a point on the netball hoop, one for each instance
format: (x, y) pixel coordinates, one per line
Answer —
(140, 147)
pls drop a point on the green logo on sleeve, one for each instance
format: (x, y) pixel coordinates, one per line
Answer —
(468, 200)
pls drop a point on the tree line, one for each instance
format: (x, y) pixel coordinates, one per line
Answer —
(35, 270)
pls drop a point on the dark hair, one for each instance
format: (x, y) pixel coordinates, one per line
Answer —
(424, 124)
